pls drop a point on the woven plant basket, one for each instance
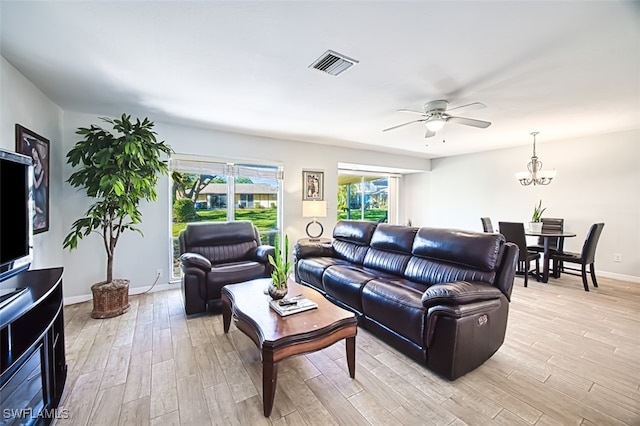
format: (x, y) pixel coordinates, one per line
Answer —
(110, 299)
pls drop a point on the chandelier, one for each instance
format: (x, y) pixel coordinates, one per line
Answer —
(535, 175)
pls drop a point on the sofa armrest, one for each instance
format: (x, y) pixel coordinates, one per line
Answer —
(262, 252)
(458, 312)
(195, 260)
(459, 293)
(306, 249)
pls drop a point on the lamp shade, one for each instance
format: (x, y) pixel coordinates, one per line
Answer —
(314, 209)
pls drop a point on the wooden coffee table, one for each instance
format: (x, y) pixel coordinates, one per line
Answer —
(279, 338)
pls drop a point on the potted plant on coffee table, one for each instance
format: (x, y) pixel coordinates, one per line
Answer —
(280, 262)
(536, 219)
(117, 170)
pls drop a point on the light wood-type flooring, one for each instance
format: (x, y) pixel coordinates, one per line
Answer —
(569, 358)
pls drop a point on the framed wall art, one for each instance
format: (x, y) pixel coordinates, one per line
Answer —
(37, 147)
(312, 185)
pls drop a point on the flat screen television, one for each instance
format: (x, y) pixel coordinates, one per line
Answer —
(16, 213)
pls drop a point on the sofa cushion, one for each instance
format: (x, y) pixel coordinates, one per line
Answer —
(225, 253)
(396, 303)
(351, 239)
(310, 270)
(428, 271)
(345, 282)
(394, 238)
(214, 233)
(353, 253)
(390, 248)
(472, 249)
(355, 231)
(229, 273)
(393, 263)
(459, 292)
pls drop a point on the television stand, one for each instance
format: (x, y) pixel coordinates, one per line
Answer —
(33, 369)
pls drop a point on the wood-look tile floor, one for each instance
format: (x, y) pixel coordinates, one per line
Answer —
(569, 358)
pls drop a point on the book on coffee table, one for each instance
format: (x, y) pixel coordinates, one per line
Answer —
(292, 305)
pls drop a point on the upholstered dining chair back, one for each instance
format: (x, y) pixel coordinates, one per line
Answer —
(550, 224)
(486, 224)
(591, 242)
(586, 258)
(514, 233)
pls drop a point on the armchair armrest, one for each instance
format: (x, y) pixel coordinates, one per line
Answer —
(262, 252)
(305, 249)
(459, 293)
(195, 260)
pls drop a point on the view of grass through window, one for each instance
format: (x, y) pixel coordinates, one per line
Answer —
(198, 197)
(362, 197)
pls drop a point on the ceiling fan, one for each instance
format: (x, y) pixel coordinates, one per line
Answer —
(436, 114)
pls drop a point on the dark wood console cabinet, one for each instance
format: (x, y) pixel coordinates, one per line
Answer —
(33, 368)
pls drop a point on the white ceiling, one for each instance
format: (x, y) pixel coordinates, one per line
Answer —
(565, 69)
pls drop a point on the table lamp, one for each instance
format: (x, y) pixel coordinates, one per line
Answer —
(314, 209)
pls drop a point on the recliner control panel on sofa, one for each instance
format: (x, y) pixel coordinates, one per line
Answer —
(439, 295)
(214, 254)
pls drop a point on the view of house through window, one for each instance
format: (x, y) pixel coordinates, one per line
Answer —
(367, 196)
(202, 191)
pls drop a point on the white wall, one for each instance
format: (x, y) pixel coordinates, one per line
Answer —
(598, 181)
(138, 258)
(21, 102)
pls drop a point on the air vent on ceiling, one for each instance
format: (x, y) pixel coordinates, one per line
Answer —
(333, 63)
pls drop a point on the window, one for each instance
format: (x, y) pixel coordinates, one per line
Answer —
(367, 196)
(202, 190)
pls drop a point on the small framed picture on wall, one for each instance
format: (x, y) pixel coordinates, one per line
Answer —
(35, 146)
(312, 185)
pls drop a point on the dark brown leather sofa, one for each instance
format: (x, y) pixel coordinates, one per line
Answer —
(439, 295)
(214, 254)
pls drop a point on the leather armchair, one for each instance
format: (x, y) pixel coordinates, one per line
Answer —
(214, 254)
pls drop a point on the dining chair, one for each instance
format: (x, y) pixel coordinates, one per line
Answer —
(486, 224)
(585, 258)
(555, 244)
(513, 232)
(549, 224)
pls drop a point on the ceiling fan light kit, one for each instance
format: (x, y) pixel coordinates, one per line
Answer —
(435, 116)
(435, 124)
(535, 175)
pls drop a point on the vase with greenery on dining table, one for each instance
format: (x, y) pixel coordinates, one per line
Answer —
(536, 219)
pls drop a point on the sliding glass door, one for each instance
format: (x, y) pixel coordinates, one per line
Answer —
(367, 196)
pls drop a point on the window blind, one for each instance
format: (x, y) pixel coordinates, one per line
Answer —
(226, 169)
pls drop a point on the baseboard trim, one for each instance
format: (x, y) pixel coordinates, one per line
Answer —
(620, 277)
(172, 284)
(132, 291)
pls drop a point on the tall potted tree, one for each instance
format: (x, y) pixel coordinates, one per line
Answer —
(118, 170)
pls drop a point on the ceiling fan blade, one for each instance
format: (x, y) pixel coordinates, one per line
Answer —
(404, 124)
(470, 107)
(429, 134)
(469, 122)
(411, 111)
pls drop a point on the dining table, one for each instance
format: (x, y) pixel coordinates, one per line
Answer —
(547, 235)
